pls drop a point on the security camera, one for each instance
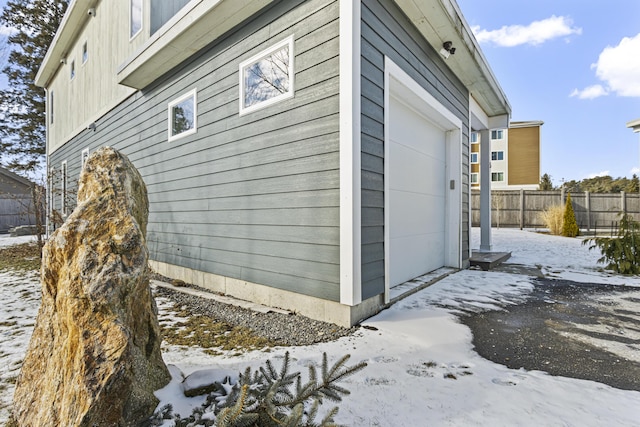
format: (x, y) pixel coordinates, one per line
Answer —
(63, 60)
(92, 126)
(91, 12)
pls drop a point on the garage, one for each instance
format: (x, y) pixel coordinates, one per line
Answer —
(423, 176)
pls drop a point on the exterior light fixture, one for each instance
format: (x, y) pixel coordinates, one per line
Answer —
(447, 49)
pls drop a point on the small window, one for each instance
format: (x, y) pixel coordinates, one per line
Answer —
(474, 157)
(267, 77)
(474, 178)
(474, 137)
(497, 155)
(63, 186)
(83, 157)
(496, 134)
(497, 176)
(135, 17)
(51, 107)
(183, 116)
(85, 52)
(72, 74)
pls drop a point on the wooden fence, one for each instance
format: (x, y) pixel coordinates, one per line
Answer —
(523, 208)
(15, 210)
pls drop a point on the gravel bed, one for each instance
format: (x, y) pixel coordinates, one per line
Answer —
(284, 329)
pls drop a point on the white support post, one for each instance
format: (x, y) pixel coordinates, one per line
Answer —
(485, 191)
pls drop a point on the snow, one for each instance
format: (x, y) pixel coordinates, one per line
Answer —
(422, 369)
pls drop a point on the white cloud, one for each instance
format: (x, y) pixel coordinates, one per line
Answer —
(619, 67)
(535, 33)
(597, 174)
(590, 92)
(635, 171)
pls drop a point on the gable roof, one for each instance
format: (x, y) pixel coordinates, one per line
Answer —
(6, 176)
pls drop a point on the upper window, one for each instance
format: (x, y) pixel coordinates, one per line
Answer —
(72, 73)
(85, 52)
(63, 186)
(497, 176)
(474, 137)
(183, 116)
(474, 178)
(496, 134)
(267, 77)
(51, 107)
(135, 17)
(497, 155)
(474, 157)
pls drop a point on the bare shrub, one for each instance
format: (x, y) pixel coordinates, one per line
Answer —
(553, 218)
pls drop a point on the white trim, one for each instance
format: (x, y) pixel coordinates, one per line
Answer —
(193, 93)
(83, 158)
(350, 157)
(289, 94)
(404, 87)
(133, 36)
(64, 181)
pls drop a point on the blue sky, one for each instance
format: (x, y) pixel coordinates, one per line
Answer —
(575, 64)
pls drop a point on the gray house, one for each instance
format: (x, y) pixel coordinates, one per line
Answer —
(309, 155)
(16, 206)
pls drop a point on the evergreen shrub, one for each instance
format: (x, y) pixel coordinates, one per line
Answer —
(569, 225)
(620, 253)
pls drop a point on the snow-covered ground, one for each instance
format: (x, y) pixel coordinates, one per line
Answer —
(414, 350)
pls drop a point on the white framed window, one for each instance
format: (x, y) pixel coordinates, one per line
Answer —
(474, 178)
(267, 77)
(51, 107)
(72, 72)
(51, 191)
(496, 134)
(135, 18)
(183, 116)
(83, 158)
(85, 52)
(474, 157)
(497, 155)
(497, 176)
(63, 186)
(474, 137)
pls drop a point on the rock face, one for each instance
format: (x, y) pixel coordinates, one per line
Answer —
(94, 358)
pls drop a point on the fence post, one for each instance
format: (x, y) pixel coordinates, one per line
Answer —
(587, 204)
(562, 195)
(521, 208)
(623, 202)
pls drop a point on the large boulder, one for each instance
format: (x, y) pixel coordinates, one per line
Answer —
(94, 358)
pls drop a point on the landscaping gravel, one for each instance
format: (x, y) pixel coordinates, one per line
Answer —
(284, 329)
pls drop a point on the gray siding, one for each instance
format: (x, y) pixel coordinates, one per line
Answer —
(386, 31)
(252, 197)
(163, 10)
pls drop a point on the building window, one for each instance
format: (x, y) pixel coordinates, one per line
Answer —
(474, 178)
(63, 186)
(497, 176)
(496, 134)
(474, 157)
(183, 116)
(135, 15)
(497, 155)
(267, 77)
(51, 107)
(85, 52)
(73, 70)
(83, 158)
(474, 137)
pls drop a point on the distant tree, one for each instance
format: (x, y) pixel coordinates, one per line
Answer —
(22, 104)
(573, 185)
(634, 185)
(545, 182)
(569, 225)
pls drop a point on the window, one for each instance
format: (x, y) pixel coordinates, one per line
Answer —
(474, 137)
(183, 116)
(496, 134)
(85, 52)
(267, 77)
(83, 157)
(497, 176)
(135, 15)
(73, 70)
(497, 155)
(51, 107)
(63, 186)
(474, 157)
(474, 178)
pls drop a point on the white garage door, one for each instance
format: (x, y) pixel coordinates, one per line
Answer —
(417, 192)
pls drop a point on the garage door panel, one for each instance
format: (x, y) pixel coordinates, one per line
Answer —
(412, 128)
(417, 217)
(416, 255)
(413, 171)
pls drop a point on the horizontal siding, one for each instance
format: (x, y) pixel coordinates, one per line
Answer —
(386, 31)
(252, 197)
